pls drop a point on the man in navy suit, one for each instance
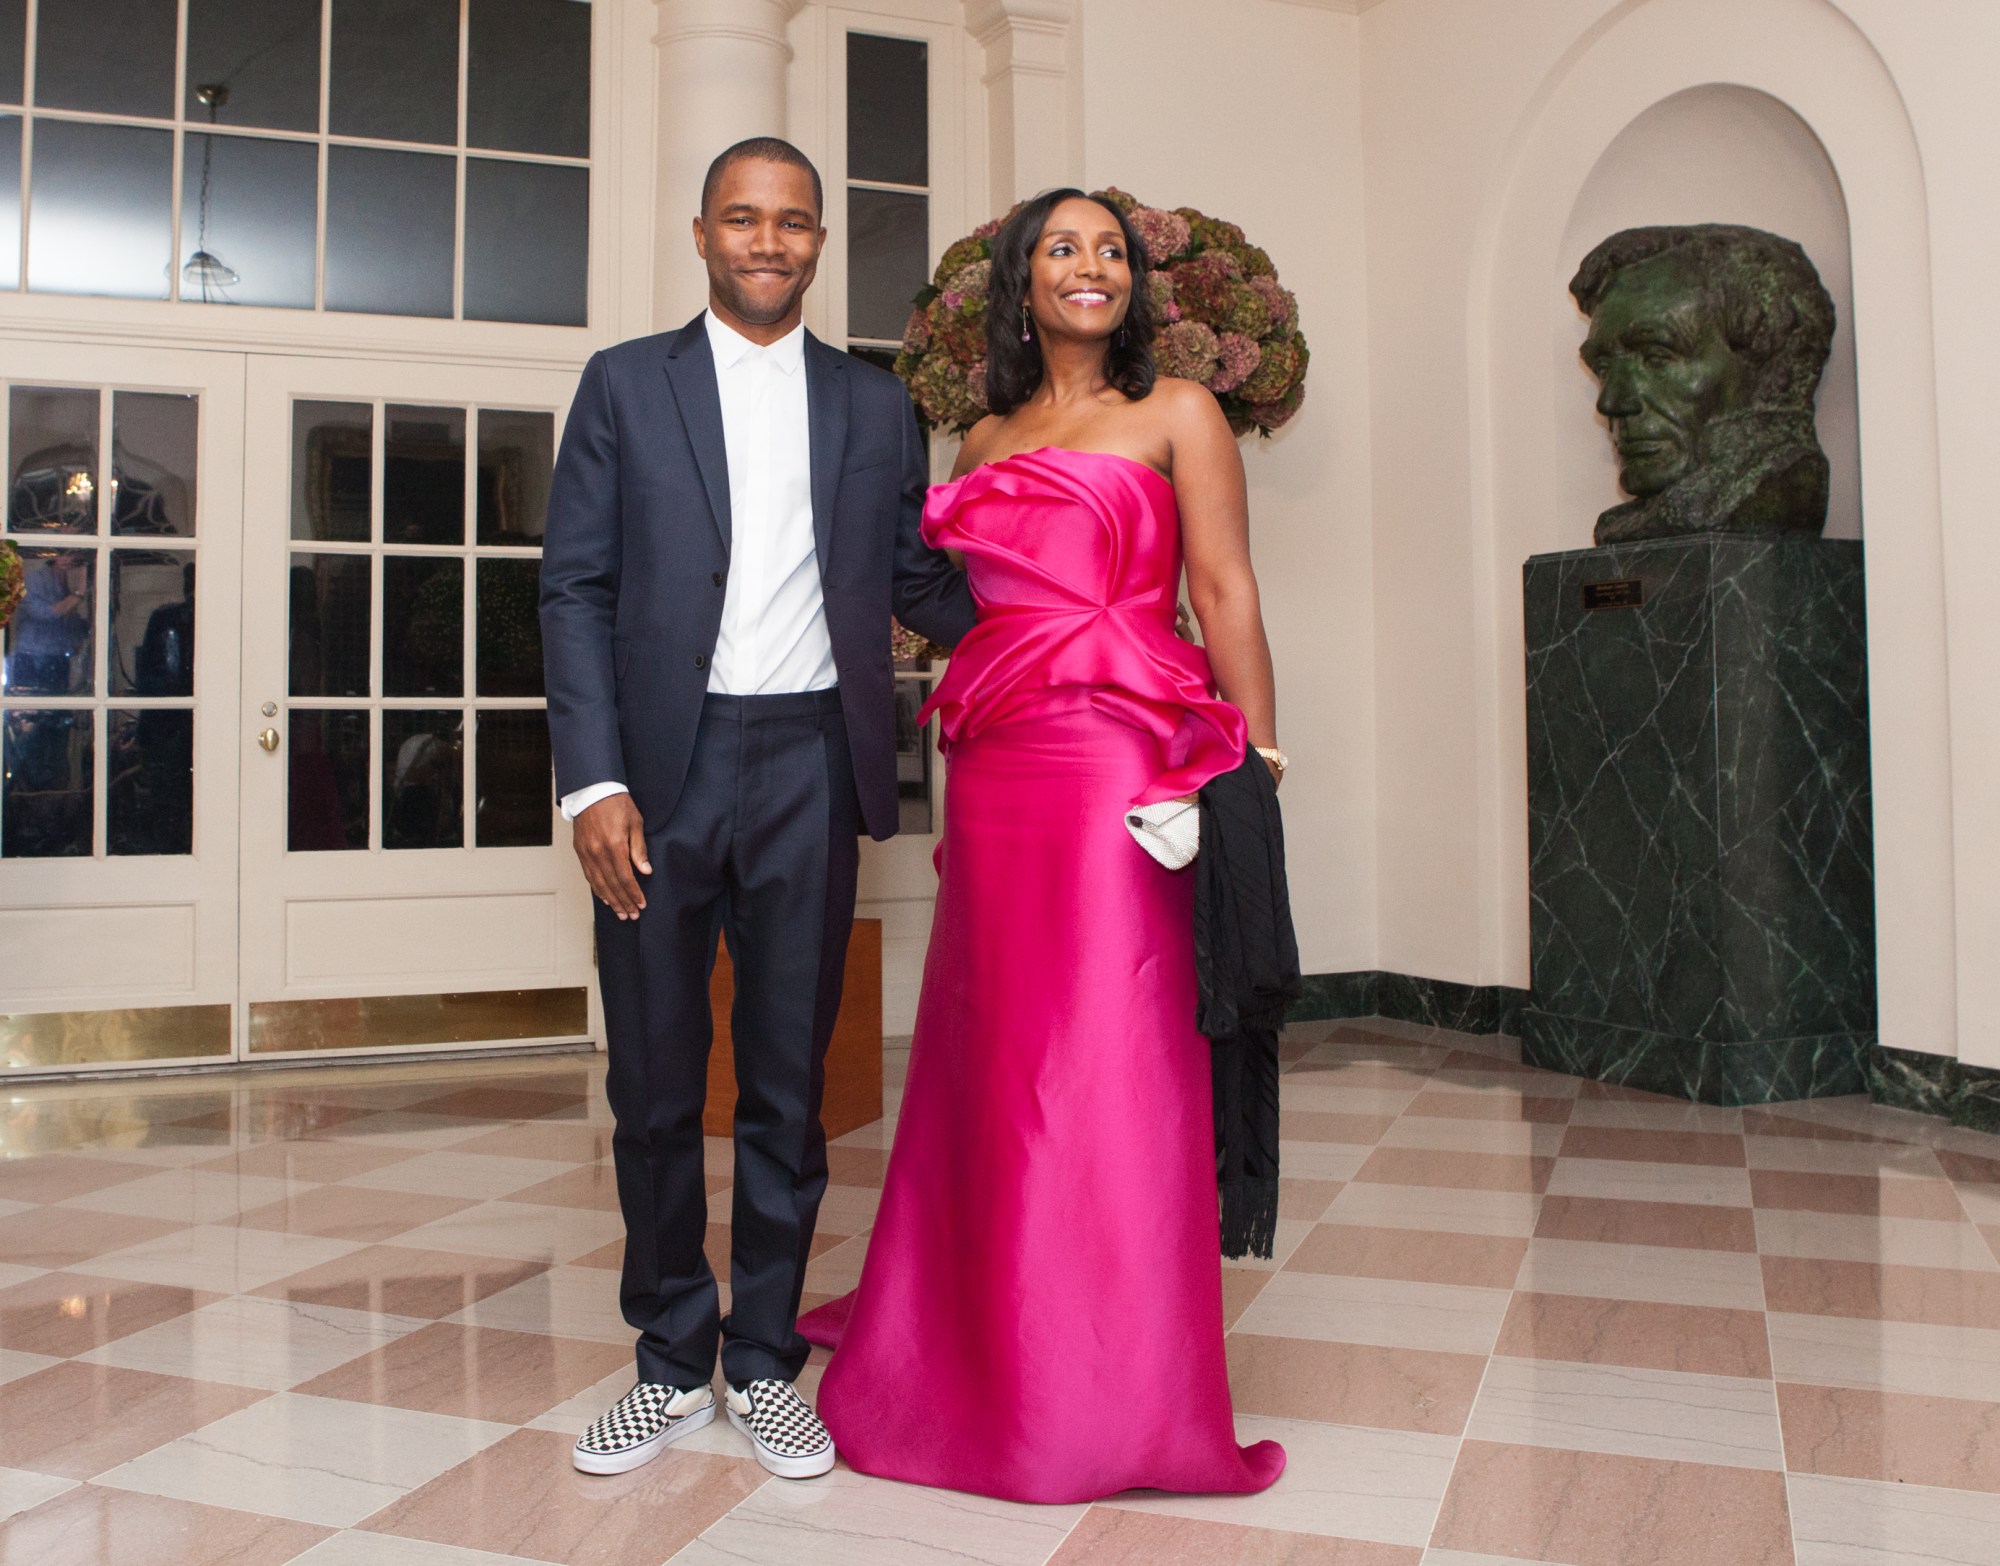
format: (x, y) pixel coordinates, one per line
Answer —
(734, 516)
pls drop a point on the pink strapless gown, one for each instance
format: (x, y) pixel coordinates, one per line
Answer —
(1040, 1313)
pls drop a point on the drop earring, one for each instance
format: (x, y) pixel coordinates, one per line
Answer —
(1121, 337)
(1026, 335)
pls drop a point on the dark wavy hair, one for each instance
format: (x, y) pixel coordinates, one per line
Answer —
(1014, 368)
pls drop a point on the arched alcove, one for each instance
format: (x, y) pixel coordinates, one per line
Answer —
(1715, 154)
(1810, 58)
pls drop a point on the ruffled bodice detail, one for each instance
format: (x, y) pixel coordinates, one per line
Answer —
(1075, 561)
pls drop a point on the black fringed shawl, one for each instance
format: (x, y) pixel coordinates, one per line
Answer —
(1247, 966)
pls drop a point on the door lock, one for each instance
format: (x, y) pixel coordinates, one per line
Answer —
(268, 739)
(269, 709)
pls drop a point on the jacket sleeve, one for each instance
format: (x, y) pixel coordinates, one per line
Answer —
(930, 594)
(581, 549)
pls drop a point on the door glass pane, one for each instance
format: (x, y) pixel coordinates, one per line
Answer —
(110, 56)
(395, 70)
(516, 787)
(45, 772)
(152, 622)
(13, 50)
(10, 201)
(333, 468)
(149, 781)
(153, 445)
(423, 476)
(329, 630)
(326, 800)
(52, 436)
(423, 627)
(510, 628)
(101, 210)
(49, 640)
(888, 114)
(888, 250)
(913, 758)
(516, 460)
(265, 53)
(249, 217)
(423, 779)
(527, 241)
(389, 222)
(528, 77)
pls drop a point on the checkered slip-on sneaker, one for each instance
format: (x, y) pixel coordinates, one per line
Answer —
(781, 1425)
(641, 1425)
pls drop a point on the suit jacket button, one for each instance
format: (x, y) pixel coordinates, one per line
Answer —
(701, 660)
(716, 578)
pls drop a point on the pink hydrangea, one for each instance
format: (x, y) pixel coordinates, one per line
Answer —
(1165, 234)
(1239, 356)
(1187, 349)
(917, 331)
(1279, 300)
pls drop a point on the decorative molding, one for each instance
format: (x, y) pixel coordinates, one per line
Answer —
(683, 20)
(1935, 1085)
(1401, 997)
(1343, 7)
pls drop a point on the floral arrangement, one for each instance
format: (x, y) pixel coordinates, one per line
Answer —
(13, 581)
(1226, 321)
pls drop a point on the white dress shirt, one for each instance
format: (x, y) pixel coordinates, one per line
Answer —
(773, 637)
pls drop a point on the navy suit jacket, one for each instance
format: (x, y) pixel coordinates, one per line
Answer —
(636, 558)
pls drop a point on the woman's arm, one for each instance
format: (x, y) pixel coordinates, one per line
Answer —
(1215, 537)
(972, 450)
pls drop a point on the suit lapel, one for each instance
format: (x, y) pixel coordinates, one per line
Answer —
(826, 418)
(691, 374)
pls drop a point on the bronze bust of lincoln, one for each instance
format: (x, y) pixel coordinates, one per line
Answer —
(1707, 342)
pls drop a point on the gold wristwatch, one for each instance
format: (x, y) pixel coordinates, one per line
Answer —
(1275, 756)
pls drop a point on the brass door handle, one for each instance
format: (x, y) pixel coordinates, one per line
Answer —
(268, 739)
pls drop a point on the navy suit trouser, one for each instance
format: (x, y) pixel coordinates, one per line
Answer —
(761, 848)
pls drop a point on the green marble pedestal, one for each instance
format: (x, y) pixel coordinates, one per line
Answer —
(1701, 865)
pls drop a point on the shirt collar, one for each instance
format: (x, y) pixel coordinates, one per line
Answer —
(731, 347)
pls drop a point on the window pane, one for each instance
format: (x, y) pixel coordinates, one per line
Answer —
(152, 622)
(330, 614)
(13, 50)
(153, 462)
(510, 629)
(101, 210)
(52, 435)
(423, 476)
(389, 219)
(326, 802)
(333, 468)
(516, 457)
(883, 357)
(264, 52)
(111, 56)
(527, 241)
(423, 779)
(46, 759)
(256, 224)
(888, 110)
(888, 249)
(10, 201)
(423, 626)
(913, 758)
(49, 640)
(515, 783)
(149, 782)
(395, 70)
(528, 77)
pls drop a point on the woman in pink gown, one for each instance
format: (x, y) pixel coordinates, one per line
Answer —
(1040, 1311)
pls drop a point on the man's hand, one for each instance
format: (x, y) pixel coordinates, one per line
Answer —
(610, 842)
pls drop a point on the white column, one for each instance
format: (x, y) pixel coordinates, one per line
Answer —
(722, 79)
(1027, 95)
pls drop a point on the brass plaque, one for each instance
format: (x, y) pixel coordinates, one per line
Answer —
(136, 1035)
(386, 1021)
(1626, 593)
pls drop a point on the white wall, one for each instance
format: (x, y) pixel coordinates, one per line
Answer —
(1250, 111)
(1482, 124)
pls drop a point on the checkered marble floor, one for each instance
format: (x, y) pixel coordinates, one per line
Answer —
(354, 1317)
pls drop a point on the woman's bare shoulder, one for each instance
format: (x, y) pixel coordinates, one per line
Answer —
(977, 443)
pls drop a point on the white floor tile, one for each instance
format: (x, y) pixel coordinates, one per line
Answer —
(1871, 1158)
(470, 1176)
(1663, 1273)
(1435, 1207)
(1731, 1421)
(1866, 1522)
(1448, 1318)
(221, 1258)
(1909, 1242)
(21, 1490)
(520, 1230)
(249, 1341)
(186, 1196)
(1704, 1184)
(1889, 1356)
(565, 1302)
(385, 1549)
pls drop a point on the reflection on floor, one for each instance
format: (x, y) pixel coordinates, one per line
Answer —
(354, 1317)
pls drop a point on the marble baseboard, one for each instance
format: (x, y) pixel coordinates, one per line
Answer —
(1764, 1072)
(1402, 997)
(1935, 1085)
